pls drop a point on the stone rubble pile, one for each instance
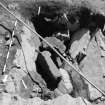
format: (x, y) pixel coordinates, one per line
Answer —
(36, 75)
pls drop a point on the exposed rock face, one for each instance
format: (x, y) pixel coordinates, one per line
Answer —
(66, 79)
(92, 64)
(67, 100)
(100, 42)
(56, 43)
(48, 69)
(80, 41)
(35, 74)
(29, 49)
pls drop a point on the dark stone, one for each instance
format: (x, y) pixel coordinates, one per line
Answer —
(48, 71)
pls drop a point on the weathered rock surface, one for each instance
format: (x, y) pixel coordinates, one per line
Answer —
(66, 79)
(56, 43)
(100, 42)
(80, 88)
(79, 43)
(45, 79)
(68, 100)
(48, 69)
(92, 64)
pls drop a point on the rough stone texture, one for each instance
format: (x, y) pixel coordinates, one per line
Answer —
(62, 88)
(68, 100)
(56, 43)
(94, 94)
(61, 100)
(19, 61)
(92, 65)
(6, 99)
(79, 42)
(17, 100)
(29, 48)
(10, 86)
(80, 88)
(100, 42)
(66, 79)
(48, 69)
(52, 67)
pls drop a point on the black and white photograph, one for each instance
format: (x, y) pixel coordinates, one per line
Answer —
(52, 52)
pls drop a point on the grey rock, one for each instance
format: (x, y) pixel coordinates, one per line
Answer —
(56, 43)
(68, 100)
(48, 69)
(79, 43)
(80, 88)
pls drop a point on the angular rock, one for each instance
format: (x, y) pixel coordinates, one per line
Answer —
(54, 70)
(6, 99)
(94, 93)
(68, 100)
(29, 46)
(56, 43)
(66, 79)
(28, 89)
(9, 99)
(48, 69)
(80, 88)
(79, 42)
(20, 69)
(62, 88)
(30, 43)
(19, 62)
(3, 30)
(94, 64)
(10, 86)
(101, 42)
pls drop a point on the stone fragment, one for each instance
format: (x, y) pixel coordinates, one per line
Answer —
(62, 88)
(94, 93)
(48, 69)
(56, 43)
(30, 43)
(21, 74)
(66, 79)
(17, 75)
(93, 69)
(28, 88)
(79, 42)
(10, 87)
(52, 67)
(29, 47)
(101, 42)
(9, 99)
(80, 88)
(6, 99)
(74, 26)
(3, 31)
(68, 100)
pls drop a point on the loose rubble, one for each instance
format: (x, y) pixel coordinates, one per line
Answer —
(35, 74)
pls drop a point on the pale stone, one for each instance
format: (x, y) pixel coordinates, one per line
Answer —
(10, 87)
(94, 93)
(80, 42)
(52, 67)
(6, 99)
(68, 100)
(66, 79)
(100, 42)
